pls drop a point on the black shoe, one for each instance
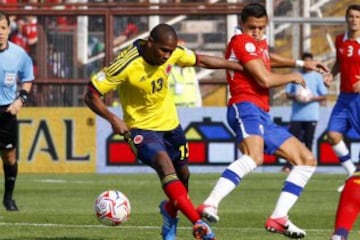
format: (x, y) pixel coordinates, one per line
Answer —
(10, 205)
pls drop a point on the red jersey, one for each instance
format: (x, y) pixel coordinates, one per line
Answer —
(243, 88)
(348, 57)
(30, 30)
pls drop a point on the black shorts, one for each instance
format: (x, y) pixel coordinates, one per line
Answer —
(8, 130)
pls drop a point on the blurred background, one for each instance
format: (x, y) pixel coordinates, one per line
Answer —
(70, 39)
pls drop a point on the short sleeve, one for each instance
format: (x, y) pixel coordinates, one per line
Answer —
(244, 48)
(184, 57)
(27, 71)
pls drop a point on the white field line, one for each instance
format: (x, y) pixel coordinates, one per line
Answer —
(139, 227)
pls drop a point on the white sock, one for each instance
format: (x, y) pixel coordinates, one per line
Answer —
(297, 178)
(342, 151)
(230, 178)
(349, 167)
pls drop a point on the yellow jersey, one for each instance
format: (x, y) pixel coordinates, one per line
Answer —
(143, 88)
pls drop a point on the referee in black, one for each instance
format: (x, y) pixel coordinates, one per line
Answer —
(16, 76)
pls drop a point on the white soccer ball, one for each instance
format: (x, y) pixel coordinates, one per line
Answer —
(112, 208)
(303, 95)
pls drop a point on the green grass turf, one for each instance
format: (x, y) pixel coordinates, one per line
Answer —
(60, 206)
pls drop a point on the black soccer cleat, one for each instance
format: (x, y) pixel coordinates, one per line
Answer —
(10, 205)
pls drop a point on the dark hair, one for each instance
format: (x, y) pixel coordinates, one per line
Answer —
(352, 7)
(253, 10)
(4, 15)
(307, 55)
(162, 30)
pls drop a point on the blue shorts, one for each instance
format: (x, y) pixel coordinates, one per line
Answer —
(339, 118)
(149, 143)
(354, 114)
(247, 119)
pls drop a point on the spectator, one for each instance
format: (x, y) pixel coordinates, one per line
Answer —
(305, 108)
(18, 36)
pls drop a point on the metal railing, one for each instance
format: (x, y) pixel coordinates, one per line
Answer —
(64, 61)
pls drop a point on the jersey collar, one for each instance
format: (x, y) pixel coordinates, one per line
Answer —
(7, 47)
(346, 37)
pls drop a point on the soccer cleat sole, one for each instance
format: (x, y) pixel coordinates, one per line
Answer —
(286, 233)
(207, 216)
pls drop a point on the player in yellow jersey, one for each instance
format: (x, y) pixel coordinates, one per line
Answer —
(140, 73)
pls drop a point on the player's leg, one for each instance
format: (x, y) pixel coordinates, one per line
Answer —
(339, 124)
(341, 151)
(10, 167)
(152, 151)
(8, 142)
(296, 129)
(177, 193)
(348, 208)
(304, 166)
(177, 149)
(245, 120)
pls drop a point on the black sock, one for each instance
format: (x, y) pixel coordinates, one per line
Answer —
(10, 173)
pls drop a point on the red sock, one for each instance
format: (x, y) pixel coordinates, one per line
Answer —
(177, 194)
(171, 209)
(349, 204)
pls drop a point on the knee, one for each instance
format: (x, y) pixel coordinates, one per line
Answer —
(9, 157)
(258, 158)
(334, 138)
(307, 160)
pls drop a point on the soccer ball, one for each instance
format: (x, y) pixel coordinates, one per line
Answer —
(303, 95)
(112, 208)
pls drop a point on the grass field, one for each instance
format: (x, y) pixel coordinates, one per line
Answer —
(61, 207)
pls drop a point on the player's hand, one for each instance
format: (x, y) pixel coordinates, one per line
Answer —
(119, 126)
(316, 66)
(298, 79)
(328, 78)
(15, 107)
(356, 86)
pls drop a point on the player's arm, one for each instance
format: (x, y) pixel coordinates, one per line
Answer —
(94, 102)
(212, 62)
(329, 77)
(265, 78)
(278, 61)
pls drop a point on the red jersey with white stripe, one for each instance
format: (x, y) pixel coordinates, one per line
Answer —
(243, 88)
(348, 57)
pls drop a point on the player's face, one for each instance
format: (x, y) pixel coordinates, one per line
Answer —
(353, 20)
(255, 27)
(162, 50)
(4, 33)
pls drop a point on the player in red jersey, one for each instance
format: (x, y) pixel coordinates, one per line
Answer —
(348, 65)
(347, 113)
(349, 203)
(255, 131)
